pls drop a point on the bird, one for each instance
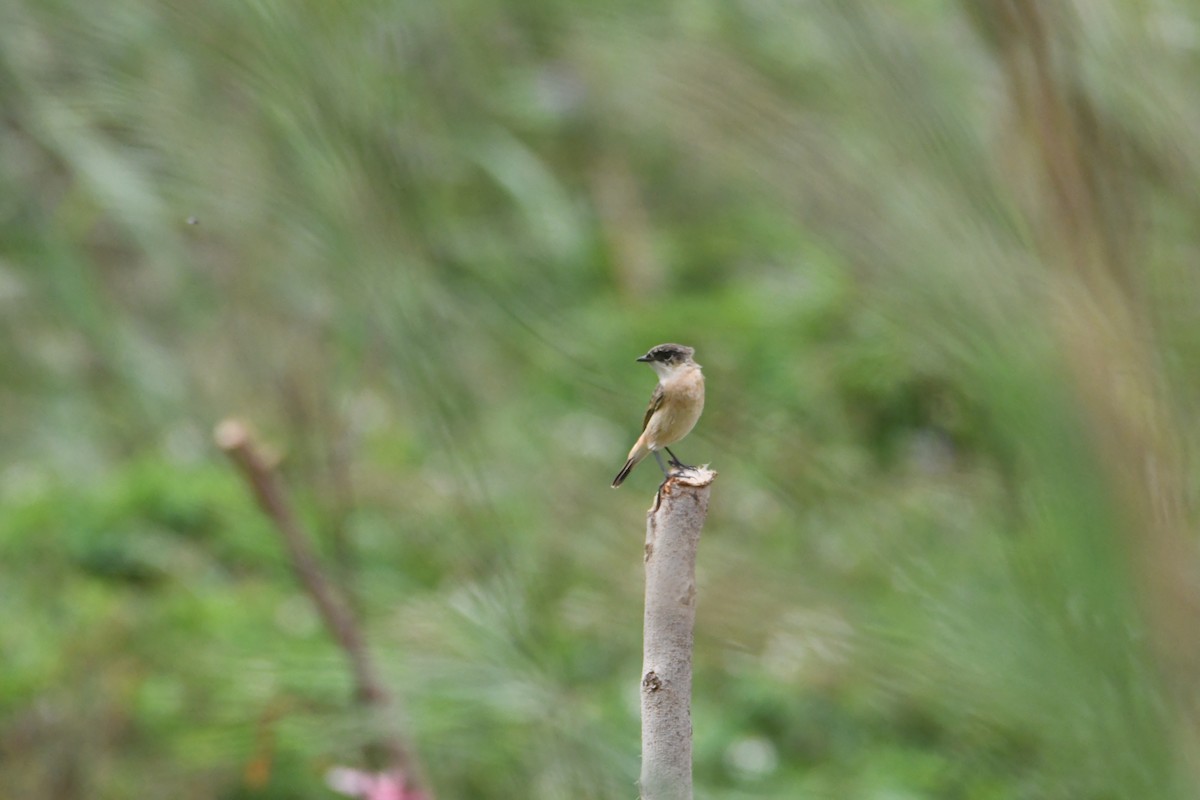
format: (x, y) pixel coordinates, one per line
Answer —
(674, 407)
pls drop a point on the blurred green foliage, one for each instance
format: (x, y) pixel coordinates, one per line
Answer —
(939, 262)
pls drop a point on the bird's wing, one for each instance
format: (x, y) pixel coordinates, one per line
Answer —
(656, 400)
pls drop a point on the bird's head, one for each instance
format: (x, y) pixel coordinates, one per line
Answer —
(667, 358)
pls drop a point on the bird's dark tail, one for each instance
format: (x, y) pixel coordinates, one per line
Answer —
(624, 473)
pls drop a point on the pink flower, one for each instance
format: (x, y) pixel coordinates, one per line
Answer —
(372, 785)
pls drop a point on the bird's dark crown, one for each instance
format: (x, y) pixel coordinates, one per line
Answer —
(668, 353)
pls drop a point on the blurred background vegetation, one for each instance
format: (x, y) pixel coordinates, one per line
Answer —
(938, 258)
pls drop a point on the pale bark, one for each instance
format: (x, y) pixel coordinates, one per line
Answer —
(672, 538)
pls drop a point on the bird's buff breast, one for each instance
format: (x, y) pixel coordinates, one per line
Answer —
(676, 419)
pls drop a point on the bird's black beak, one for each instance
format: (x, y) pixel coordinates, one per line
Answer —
(645, 358)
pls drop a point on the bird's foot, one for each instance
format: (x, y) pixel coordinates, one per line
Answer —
(675, 462)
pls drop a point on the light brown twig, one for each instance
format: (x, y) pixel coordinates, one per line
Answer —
(234, 438)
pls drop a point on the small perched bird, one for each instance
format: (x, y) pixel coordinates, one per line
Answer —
(674, 408)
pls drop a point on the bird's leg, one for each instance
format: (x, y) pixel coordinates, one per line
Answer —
(675, 462)
(666, 478)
